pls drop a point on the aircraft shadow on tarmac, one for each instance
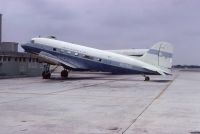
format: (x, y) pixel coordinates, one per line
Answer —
(105, 78)
(75, 78)
(161, 81)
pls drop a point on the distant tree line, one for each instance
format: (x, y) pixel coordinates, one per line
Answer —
(186, 66)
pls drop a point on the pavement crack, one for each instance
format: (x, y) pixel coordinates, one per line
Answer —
(145, 109)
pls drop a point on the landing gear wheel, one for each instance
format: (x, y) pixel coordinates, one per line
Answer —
(146, 78)
(46, 75)
(64, 74)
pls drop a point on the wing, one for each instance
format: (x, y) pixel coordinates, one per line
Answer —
(51, 59)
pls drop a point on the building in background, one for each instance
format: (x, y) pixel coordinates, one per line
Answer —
(14, 63)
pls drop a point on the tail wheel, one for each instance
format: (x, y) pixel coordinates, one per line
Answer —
(147, 78)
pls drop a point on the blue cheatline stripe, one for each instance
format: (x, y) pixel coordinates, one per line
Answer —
(162, 53)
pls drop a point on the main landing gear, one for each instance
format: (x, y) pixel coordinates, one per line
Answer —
(64, 74)
(46, 74)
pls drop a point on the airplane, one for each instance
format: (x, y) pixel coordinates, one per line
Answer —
(73, 57)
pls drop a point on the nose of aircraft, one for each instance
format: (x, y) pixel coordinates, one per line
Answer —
(24, 46)
(30, 48)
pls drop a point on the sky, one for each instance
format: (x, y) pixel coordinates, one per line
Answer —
(108, 24)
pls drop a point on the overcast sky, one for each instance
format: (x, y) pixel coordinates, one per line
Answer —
(108, 24)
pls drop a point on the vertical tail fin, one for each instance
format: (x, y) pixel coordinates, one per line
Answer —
(159, 55)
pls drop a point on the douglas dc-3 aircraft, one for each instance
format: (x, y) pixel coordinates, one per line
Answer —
(155, 61)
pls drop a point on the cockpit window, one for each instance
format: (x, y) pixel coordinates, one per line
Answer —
(32, 41)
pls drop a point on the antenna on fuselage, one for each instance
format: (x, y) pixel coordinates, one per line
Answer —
(51, 37)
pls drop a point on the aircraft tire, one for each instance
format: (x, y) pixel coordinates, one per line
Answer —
(64, 74)
(46, 75)
(147, 78)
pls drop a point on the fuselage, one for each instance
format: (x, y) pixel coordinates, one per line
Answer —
(87, 58)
